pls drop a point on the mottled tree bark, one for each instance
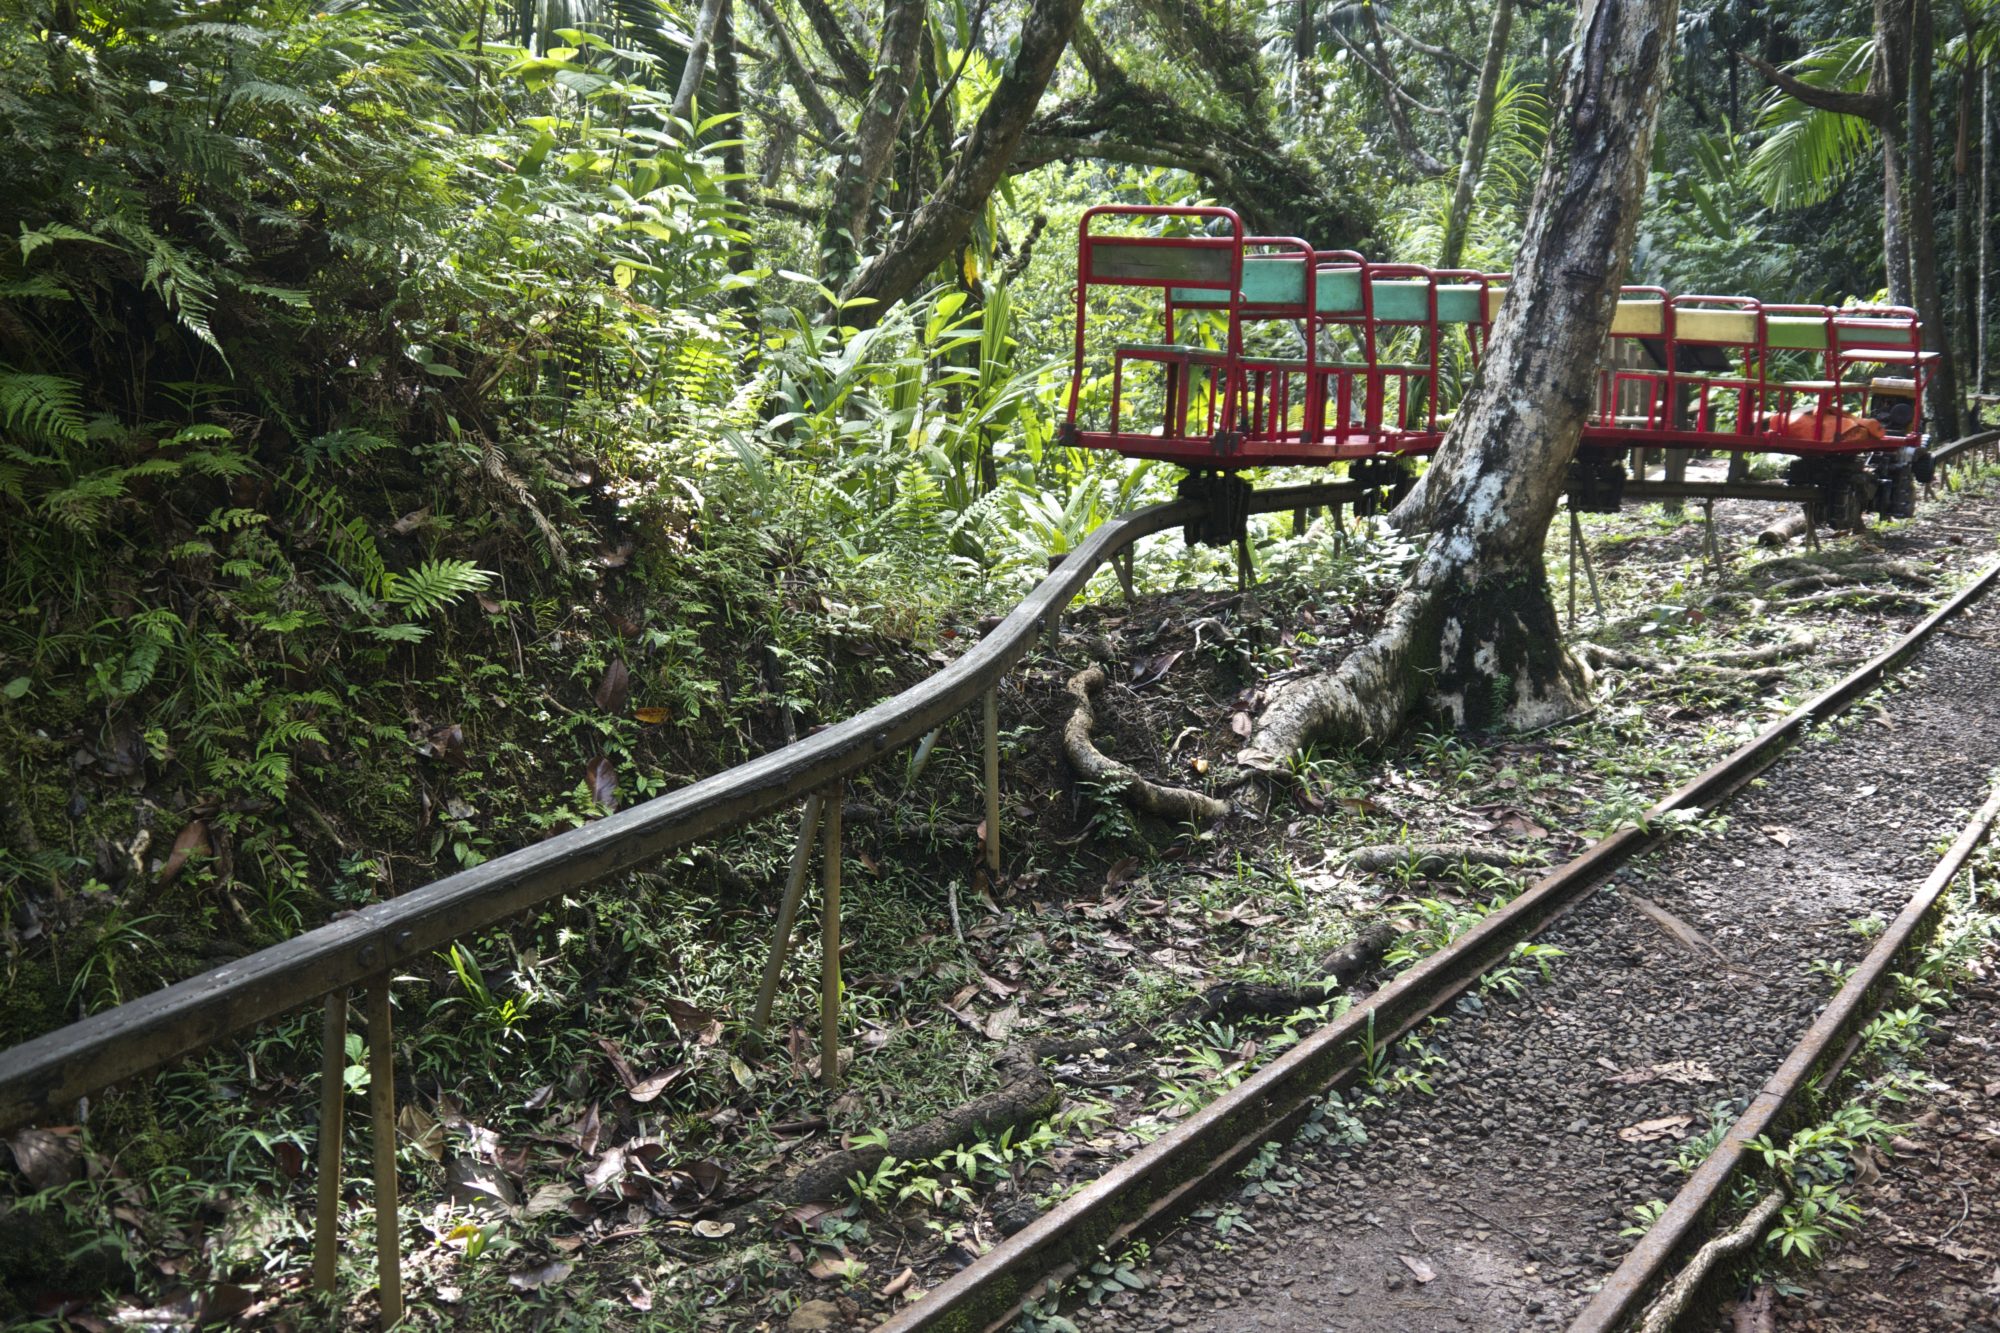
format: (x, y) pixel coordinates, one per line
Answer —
(1474, 633)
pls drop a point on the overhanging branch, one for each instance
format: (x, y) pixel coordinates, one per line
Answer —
(1872, 106)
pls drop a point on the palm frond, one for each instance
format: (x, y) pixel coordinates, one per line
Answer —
(1807, 153)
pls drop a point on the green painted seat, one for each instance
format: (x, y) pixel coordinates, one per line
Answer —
(1266, 282)
(1795, 333)
(1337, 292)
(1402, 300)
(1872, 332)
(1396, 300)
(1458, 303)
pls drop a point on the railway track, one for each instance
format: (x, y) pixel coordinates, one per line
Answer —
(1687, 992)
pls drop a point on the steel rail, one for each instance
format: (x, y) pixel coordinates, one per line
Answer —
(1779, 1108)
(1201, 1154)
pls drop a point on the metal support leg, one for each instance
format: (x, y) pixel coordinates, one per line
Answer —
(1243, 578)
(1123, 565)
(1812, 526)
(1583, 549)
(332, 1126)
(382, 1124)
(788, 910)
(992, 711)
(1052, 632)
(1575, 540)
(1710, 546)
(829, 973)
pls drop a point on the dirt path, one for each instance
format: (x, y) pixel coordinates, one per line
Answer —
(1497, 1203)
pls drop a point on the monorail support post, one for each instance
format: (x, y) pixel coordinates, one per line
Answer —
(382, 1123)
(788, 910)
(1122, 563)
(1574, 542)
(1589, 571)
(332, 1127)
(992, 711)
(829, 976)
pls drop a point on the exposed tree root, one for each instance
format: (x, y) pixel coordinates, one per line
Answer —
(1783, 650)
(1235, 1000)
(1600, 656)
(1666, 1312)
(1435, 858)
(1362, 701)
(1175, 803)
(1026, 1096)
(1885, 598)
(1782, 531)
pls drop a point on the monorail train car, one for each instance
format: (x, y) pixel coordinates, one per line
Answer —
(1202, 345)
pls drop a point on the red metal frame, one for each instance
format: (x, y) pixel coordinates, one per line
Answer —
(1262, 410)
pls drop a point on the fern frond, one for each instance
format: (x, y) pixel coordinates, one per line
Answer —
(433, 585)
(42, 407)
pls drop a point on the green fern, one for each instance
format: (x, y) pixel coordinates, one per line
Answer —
(433, 585)
(41, 407)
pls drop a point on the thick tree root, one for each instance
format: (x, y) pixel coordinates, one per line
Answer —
(1771, 653)
(1880, 598)
(1782, 531)
(1026, 1096)
(1235, 1000)
(1434, 858)
(1175, 803)
(1600, 656)
(1666, 1312)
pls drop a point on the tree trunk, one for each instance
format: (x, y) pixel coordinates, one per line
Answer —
(866, 154)
(1474, 632)
(729, 102)
(1941, 403)
(945, 220)
(1964, 185)
(1985, 224)
(1891, 77)
(697, 58)
(1476, 136)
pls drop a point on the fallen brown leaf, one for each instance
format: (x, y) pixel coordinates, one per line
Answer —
(615, 687)
(1419, 1270)
(192, 839)
(541, 1275)
(1649, 1131)
(47, 1157)
(646, 1089)
(602, 776)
